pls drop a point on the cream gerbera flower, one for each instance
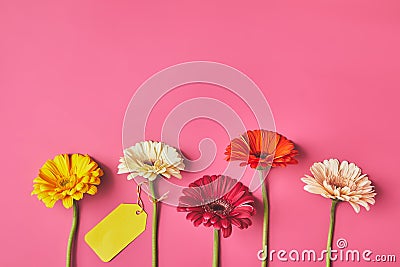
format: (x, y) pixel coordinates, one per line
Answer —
(150, 159)
(340, 181)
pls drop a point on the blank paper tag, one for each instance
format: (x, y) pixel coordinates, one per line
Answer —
(116, 231)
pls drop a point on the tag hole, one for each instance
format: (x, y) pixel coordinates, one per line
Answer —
(138, 212)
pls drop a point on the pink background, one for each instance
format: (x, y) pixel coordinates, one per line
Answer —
(329, 69)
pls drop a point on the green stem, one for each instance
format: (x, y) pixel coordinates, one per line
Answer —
(264, 263)
(216, 249)
(72, 232)
(330, 234)
(154, 235)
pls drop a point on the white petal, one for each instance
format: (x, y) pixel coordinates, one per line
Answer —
(355, 206)
(314, 189)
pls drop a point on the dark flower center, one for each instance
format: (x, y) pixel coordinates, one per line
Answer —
(217, 207)
(64, 181)
(261, 155)
(220, 206)
(148, 162)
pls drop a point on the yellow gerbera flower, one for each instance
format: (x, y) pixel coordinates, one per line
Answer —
(67, 178)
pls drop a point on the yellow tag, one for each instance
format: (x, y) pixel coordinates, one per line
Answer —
(116, 231)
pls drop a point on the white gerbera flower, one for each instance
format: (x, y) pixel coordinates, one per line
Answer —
(341, 181)
(150, 159)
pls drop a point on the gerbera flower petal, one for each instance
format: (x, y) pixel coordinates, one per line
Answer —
(242, 202)
(92, 190)
(62, 162)
(355, 206)
(67, 202)
(226, 232)
(193, 216)
(77, 195)
(314, 189)
(49, 201)
(246, 222)
(198, 221)
(207, 216)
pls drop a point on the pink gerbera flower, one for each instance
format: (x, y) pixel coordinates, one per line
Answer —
(218, 201)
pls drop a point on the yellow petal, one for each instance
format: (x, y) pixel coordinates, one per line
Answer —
(67, 202)
(92, 190)
(46, 187)
(63, 164)
(49, 201)
(77, 196)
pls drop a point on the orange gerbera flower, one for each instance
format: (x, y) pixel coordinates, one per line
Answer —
(261, 149)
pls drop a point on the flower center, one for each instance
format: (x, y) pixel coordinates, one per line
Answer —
(67, 182)
(64, 182)
(261, 155)
(217, 207)
(148, 162)
(340, 182)
(220, 206)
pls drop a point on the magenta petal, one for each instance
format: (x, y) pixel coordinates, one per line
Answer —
(241, 214)
(198, 221)
(225, 223)
(217, 225)
(226, 232)
(207, 215)
(207, 224)
(193, 216)
(236, 193)
(246, 222)
(238, 198)
(244, 200)
(215, 219)
(236, 222)
(247, 208)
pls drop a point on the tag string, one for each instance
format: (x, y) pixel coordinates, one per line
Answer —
(151, 199)
(139, 199)
(155, 200)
